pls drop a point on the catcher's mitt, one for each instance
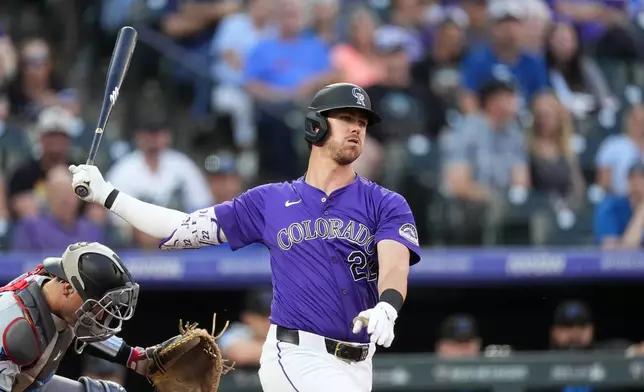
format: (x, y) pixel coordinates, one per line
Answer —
(189, 362)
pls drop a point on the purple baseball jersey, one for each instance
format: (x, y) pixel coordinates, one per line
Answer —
(323, 248)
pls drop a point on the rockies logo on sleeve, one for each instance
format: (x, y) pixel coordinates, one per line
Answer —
(409, 232)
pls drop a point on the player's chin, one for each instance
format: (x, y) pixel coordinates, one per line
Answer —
(349, 155)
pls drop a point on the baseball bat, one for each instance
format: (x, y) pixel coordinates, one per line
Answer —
(119, 63)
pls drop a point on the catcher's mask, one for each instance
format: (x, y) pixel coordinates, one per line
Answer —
(103, 282)
(331, 97)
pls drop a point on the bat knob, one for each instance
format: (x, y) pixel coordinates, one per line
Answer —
(81, 190)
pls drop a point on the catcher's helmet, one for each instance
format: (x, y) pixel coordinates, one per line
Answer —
(103, 282)
(331, 97)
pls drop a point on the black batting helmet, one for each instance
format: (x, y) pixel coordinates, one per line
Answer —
(331, 97)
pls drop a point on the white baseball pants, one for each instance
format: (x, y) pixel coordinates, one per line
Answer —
(308, 367)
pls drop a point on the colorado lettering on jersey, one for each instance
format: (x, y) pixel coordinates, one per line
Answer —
(363, 265)
(331, 228)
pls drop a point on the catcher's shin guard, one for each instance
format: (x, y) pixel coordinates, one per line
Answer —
(92, 385)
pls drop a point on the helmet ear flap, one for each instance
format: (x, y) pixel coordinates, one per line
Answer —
(316, 127)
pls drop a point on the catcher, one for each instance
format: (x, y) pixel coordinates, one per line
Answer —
(84, 297)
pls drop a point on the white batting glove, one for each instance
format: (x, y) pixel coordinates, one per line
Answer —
(379, 321)
(99, 189)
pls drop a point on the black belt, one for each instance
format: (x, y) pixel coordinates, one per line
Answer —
(338, 349)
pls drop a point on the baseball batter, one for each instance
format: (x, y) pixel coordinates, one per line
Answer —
(340, 247)
(85, 295)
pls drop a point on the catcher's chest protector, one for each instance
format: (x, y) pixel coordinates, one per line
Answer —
(29, 334)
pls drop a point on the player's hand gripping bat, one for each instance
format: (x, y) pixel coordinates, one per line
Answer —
(119, 63)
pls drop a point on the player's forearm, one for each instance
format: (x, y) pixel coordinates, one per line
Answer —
(155, 221)
(394, 277)
(113, 349)
(393, 258)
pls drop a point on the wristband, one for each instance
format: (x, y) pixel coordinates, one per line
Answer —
(393, 298)
(111, 198)
(123, 355)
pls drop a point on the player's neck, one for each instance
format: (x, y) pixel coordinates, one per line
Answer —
(49, 295)
(328, 176)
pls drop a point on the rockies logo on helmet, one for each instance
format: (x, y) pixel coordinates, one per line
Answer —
(359, 96)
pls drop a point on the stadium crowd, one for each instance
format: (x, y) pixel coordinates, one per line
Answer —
(524, 115)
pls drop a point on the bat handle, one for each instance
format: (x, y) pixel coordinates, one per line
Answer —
(82, 190)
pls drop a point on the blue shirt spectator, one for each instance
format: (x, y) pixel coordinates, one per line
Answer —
(619, 220)
(611, 217)
(503, 58)
(236, 37)
(482, 64)
(617, 153)
(287, 64)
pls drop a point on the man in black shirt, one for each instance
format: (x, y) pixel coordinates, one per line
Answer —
(26, 184)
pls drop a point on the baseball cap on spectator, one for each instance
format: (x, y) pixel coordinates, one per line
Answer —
(636, 168)
(502, 10)
(451, 15)
(221, 163)
(495, 85)
(459, 327)
(572, 313)
(55, 119)
(391, 40)
(259, 301)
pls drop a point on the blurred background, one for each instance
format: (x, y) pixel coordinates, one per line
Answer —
(514, 128)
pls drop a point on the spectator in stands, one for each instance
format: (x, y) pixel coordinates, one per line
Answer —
(458, 337)
(486, 155)
(37, 85)
(619, 220)
(14, 146)
(406, 20)
(165, 176)
(60, 224)
(554, 168)
(603, 24)
(617, 153)
(8, 59)
(478, 33)
(325, 20)
(573, 327)
(357, 60)
(223, 177)
(280, 74)
(235, 38)
(576, 78)
(407, 109)
(54, 132)
(439, 69)
(503, 58)
(536, 26)
(192, 24)
(242, 342)
(100, 369)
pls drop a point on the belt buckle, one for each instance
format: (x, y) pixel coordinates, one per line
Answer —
(338, 347)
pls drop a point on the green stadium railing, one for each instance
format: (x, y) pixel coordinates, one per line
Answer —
(514, 373)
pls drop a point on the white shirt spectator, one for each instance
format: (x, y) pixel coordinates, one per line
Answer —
(618, 153)
(177, 182)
